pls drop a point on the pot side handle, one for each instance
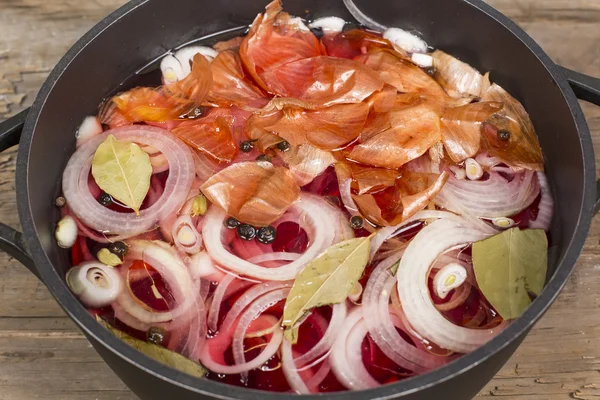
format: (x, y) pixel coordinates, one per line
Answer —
(11, 240)
(586, 88)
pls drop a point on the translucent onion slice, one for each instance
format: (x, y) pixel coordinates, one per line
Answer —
(546, 206)
(321, 226)
(491, 198)
(413, 270)
(172, 269)
(259, 306)
(376, 313)
(346, 355)
(102, 219)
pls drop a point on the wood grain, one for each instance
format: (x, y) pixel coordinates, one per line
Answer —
(43, 355)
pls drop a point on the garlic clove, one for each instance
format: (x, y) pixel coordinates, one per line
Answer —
(473, 169)
(405, 40)
(448, 278)
(329, 24)
(66, 232)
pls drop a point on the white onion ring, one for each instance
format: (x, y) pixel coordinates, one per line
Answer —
(376, 313)
(320, 221)
(494, 197)
(254, 311)
(413, 272)
(346, 356)
(102, 219)
(546, 207)
(172, 269)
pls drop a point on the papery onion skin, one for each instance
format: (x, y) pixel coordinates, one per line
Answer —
(169, 101)
(522, 149)
(257, 193)
(458, 78)
(267, 46)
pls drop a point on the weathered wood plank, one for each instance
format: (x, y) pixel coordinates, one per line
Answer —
(43, 355)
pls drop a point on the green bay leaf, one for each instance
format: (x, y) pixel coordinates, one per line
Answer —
(511, 269)
(328, 279)
(160, 354)
(123, 170)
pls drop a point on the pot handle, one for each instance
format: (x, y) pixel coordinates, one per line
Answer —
(586, 88)
(11, 240)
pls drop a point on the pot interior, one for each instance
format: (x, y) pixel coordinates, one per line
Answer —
(149, 29)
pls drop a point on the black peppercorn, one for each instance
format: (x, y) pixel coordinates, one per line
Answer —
(246, 232)
(105, 199)
(503, 135)
(283, 146)
(232, 223)
(155, 335)
(266, 235)
(60, 202)
(119, 249)
(246, 146)
(356, 222)
(263, 157)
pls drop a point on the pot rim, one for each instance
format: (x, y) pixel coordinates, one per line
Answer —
(92, 329)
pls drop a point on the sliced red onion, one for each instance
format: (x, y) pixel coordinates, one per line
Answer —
(345, 186)
(382, 329)
(269, 351)
(546, 206)
(458, 298)
(102, 219)
(95, 284)
(173, 270)
(346, 355)
(494, 197)
(186, 237)
(320, 221)
(413, 271)
(218, 297)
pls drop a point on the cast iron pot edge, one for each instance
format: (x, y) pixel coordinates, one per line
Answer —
(87, 323)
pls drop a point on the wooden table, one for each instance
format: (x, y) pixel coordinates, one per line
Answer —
(43, 355)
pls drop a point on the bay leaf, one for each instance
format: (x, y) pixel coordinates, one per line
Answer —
(328, 279)
(511, 268)
(160, 354)
(123, 170)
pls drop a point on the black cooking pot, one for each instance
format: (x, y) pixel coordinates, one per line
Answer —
(143, 30)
